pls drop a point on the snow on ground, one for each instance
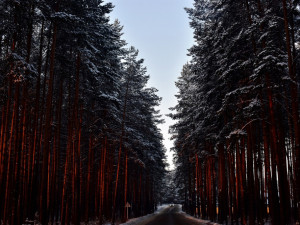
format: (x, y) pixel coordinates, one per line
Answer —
(196, 220)
(142, 219)
(161, 208)
(147, 218)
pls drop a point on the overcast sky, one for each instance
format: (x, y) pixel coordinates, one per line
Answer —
(160, 30)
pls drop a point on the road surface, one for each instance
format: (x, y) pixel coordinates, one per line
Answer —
(170, 215)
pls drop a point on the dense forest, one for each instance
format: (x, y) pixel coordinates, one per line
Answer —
(78, 123)
(237, 135)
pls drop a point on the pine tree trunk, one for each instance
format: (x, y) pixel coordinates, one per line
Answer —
(120, 151)
(250, 185)
(64, 214)
(125, 183)
(222, 185)
(197, 185)
(56, 195)
(11, 154)
(272, 204)
(47, 139)
(240, 185)
(35, 140)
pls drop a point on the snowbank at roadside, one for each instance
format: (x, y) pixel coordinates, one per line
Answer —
(197, 220)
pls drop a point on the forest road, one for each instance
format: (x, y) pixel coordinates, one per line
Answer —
(170, 216)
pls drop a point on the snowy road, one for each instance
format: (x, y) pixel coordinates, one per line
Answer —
(170, 215)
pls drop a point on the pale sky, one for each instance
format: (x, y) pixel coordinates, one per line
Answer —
(160, 30)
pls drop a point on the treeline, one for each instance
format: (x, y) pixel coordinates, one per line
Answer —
(237, 137)
(78, 126)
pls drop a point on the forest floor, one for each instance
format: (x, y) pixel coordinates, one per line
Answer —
(168, 215)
